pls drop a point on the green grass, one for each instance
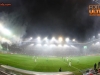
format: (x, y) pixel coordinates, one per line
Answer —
(51, 65)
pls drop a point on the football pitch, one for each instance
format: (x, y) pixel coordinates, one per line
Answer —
(49, 64)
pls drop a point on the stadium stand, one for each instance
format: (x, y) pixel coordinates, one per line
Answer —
(3, 73)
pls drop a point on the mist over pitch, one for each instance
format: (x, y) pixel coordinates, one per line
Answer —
(49, 18)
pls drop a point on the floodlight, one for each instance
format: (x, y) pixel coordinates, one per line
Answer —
(38, 38)
(85, 47)
(97, 43)
(60, 39)
(53, 39)
(1, 27)
(73, 40)
(67, 39)
(93, 36)
(7, 32)
(46, 39)
(3, 39)
(98, 34)
(4, 30)
(31, 38)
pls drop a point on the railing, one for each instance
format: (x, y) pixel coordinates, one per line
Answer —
(16, 71)
(4, 71)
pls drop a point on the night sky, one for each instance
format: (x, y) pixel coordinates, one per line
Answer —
(67, 18)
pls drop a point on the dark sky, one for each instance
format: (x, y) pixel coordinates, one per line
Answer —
(67, 18)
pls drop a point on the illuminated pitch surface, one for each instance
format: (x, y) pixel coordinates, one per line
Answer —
(50, 64)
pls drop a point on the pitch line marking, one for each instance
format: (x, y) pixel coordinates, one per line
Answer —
(71, 66)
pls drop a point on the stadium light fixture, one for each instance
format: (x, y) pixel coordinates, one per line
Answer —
(31, 38)
(38, 38)
(6, 32)
(85, 47)
(98, 34)
(1, 27)
(94, 37)
(46, 39)
(97, 43)
(60, 39)
(73, 40)
(53, 39)
(3, 40)
(67, 39)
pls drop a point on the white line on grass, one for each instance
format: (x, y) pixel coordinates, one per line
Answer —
(72, 66)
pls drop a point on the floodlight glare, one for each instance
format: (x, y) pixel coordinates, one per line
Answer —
(45, 45)
(31, 44)
(52, 45)
(7, 32)
(97, 43)
(60, 39)
(53, 39)
(72, 46)
(1, 27)
(73, 40)
(31, 38)
(14, 36)
(85, 47)
(39, 45)
(38, 38)
(93, 36)
(67, 39)
(4, 30)
(93, 44)
(59, 45)
(46, 39)
(98, 34)
(66, 45)
(4, 40)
